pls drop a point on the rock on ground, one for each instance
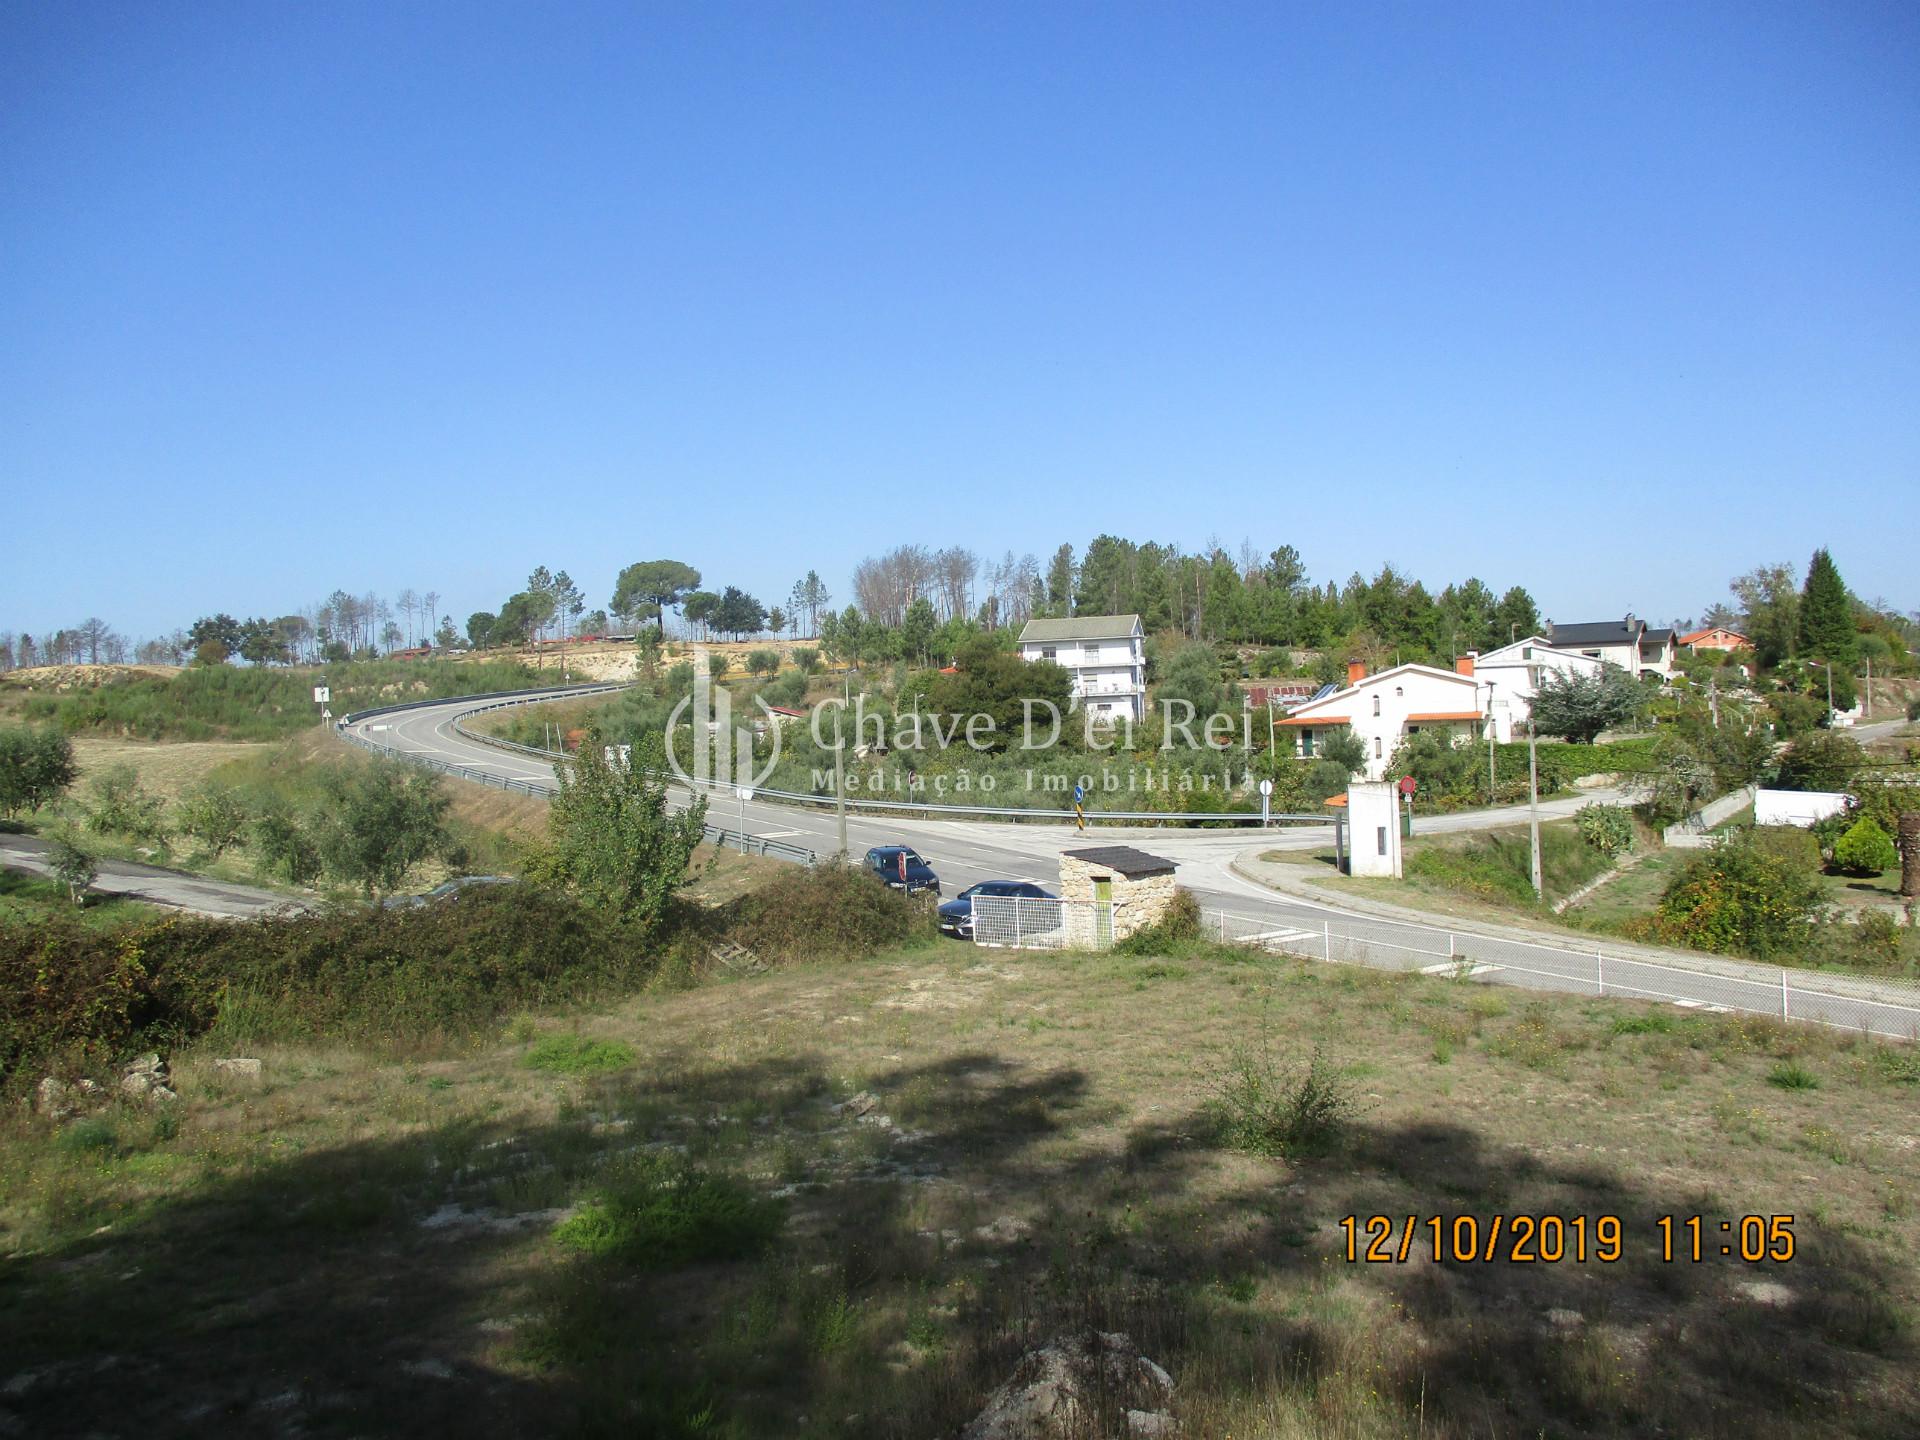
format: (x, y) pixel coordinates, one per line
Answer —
(1059, 1387)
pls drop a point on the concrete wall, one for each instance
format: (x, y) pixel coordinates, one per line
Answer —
(1692, 832)
(1374, 847)
(1796, 807)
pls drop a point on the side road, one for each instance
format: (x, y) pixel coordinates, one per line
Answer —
(1288, 880)
(153, 883)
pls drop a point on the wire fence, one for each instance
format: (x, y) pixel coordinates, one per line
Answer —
(1018, 922)
(1889, 1007)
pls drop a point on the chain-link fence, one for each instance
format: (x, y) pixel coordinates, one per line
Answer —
(1025, 923)
(1881, 1007)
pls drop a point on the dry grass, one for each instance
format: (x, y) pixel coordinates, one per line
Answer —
(1038, 1155)
(166, 770)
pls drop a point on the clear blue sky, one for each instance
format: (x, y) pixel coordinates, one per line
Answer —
(1612, 301)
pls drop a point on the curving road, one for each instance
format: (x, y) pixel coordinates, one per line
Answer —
(967, 851)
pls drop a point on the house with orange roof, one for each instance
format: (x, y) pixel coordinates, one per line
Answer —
(1715, 637)
(1383, 709)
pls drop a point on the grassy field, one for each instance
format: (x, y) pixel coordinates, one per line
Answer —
(27, 898)
(841, 1200)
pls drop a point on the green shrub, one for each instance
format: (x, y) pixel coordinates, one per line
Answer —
(36, 766)
(1788, 844)
(1791, 1075)
(121, 806)
(1643, 1025)
(213, 815)
(658, 1211)
(1179, 926)
(1607, 828)
(385, 976)
(577, 1055)
(827, 912)
(1865, 849)
(1738, 900)
(1498, 865)
(1267, 1110)
(1913, 709)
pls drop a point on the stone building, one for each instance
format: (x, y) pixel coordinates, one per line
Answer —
(1118, 889)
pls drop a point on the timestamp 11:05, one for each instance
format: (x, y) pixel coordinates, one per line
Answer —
(1536, 1239)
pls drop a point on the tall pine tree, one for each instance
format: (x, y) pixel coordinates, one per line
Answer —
(1826, 615)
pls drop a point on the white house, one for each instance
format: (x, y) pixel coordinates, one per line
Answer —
(1628, 643)
(1510, 677)
(1105, 654)
(1383, 708)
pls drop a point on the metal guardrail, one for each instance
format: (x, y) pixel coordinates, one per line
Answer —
(924, 809)
(716, 835)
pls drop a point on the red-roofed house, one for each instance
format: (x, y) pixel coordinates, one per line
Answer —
(1382, 709)
(1715, 637)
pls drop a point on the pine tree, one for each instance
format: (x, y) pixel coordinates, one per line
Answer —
(1826, 614)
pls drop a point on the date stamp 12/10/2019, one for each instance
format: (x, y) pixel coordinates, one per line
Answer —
(1524, 1239)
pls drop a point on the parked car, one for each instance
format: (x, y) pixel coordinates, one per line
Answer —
(899, 868)
(956, 915)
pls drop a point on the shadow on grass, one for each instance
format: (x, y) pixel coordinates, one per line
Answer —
(411, 1285)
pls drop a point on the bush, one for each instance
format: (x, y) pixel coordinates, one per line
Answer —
(1607, 828)
(577, 1055)
(663, 1210)
(1791, 1075)
(36, 766)
(215, 816)
(827, 912)
(1790, 845)
(1913, 709)
(1865, 849)
(1820, 761)
(763, 662)
(1736, 899)
(121, 806)
(1263, 1109)
(399, 976)
(1179, 926)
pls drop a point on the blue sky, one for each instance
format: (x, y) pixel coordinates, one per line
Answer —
(1612, 301)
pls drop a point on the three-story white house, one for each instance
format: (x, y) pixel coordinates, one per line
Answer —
(1105, 654)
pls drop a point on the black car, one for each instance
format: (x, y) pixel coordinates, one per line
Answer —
(956, 916)
(899, 868)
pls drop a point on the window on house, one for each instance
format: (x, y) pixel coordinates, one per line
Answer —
(1398, 691)
(1376, 704)
(1306, 742)
(1381, 832)
(1046, 652)
(1376, 747)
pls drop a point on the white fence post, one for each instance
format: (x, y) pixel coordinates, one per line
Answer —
(1600, 972)
(1449, 944)
(1326, 940)
(1785, 1013)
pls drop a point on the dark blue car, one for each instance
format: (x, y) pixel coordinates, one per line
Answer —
(897, 867)
(956, 916)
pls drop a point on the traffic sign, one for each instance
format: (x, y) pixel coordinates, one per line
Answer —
(325, 714)
(743, 793)
(321, 694)
(1408, 785)
(1079, 793)
(1266, 787)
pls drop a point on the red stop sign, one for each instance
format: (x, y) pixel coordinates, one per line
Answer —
(1408, 785)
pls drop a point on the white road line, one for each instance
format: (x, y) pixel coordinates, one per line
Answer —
(1458, 967)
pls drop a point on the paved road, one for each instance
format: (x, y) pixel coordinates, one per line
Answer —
(966, 851)
(152, 883)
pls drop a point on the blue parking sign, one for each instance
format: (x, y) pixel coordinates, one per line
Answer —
(1079, 793)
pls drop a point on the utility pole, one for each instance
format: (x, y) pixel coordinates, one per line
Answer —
(1492, 786)
(840, 784)
(1866, 695)
(1533, 810)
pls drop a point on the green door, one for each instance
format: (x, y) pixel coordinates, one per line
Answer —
(1103, 912)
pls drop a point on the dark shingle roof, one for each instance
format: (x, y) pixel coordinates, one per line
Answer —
(1596, 632)
(1081, 627)
(1132, 863)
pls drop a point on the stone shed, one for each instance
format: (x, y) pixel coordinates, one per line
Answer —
(1127, 889)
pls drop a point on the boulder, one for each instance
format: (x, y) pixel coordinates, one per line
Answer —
(239, 1067)
(147, 1078)
(1062, 1387)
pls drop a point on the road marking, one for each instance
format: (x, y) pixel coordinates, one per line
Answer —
(1465, 969)
(778, 834)
(1703, 1005)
